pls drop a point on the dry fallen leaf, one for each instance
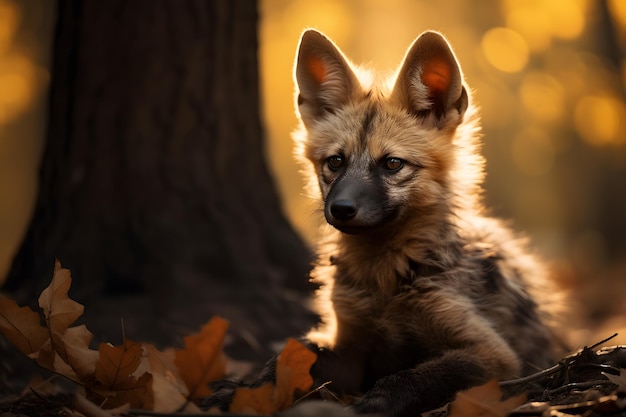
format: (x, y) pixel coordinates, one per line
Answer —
(21, 326)
(293, 368)
(80, 358)
(117, 363)
(115, 379)
(59, 310)
(170, 392)
(202, 360)
(254, 400)
(293, 372)
(484, 401)
(45, 338)
(137, 393)
(132, 374)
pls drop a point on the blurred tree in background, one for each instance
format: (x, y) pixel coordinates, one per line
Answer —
(153, 186)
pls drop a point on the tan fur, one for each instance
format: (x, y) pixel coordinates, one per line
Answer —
(370, 292)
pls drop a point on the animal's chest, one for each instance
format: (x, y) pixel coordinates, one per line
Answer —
(393, 329)
(397, 314)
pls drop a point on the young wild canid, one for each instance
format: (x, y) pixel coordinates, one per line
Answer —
(422, 294)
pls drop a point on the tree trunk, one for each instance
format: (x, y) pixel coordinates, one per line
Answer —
(154, 190)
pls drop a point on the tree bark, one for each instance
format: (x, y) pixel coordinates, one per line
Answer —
(154, 189)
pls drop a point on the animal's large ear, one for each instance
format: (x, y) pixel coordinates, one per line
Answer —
(429, 82)
(324, 77)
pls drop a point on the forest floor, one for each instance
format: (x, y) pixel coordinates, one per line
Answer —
(588, 383)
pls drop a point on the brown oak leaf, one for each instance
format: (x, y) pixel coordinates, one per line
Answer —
(293, 376)
(117, 363)
(115, 380)
(79, 357)
(202, 360)
(484, 401)
(21, 326)
(293, 372)
(59, 312)
(45, 337)
(254, 400)
(136, 392)
(170, 392)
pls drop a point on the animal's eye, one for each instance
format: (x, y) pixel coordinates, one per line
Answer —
(335, 162)
(393, 164)
(327, 109)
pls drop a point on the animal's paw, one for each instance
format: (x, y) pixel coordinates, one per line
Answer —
(392, 396)
(373, 403)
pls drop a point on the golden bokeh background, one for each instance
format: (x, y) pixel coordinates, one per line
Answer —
(549, 77)
(524, 59)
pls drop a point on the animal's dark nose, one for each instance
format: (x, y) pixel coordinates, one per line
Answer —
(343, 209)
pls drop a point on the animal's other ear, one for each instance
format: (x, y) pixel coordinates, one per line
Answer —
(429, 81)
(324, 77)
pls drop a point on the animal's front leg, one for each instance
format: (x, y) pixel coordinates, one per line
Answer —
(428, 386)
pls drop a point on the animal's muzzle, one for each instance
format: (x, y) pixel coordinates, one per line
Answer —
(343, 210)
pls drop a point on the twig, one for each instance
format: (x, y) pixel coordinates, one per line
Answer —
(123, 330)
(86, 407)
(313, 392)
(587, 384)
(553, 369)
(603, 341)
(533, 377)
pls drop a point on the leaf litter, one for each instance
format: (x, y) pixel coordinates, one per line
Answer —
(134, 375)
(138, 379)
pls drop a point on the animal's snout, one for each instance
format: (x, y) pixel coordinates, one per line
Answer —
(356, 204)
(343, 210)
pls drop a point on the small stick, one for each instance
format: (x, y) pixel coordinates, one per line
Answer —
(549, 371)
(553, 369)
(314, 391)
(587, 384)
(603, 341)
(86, 407)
